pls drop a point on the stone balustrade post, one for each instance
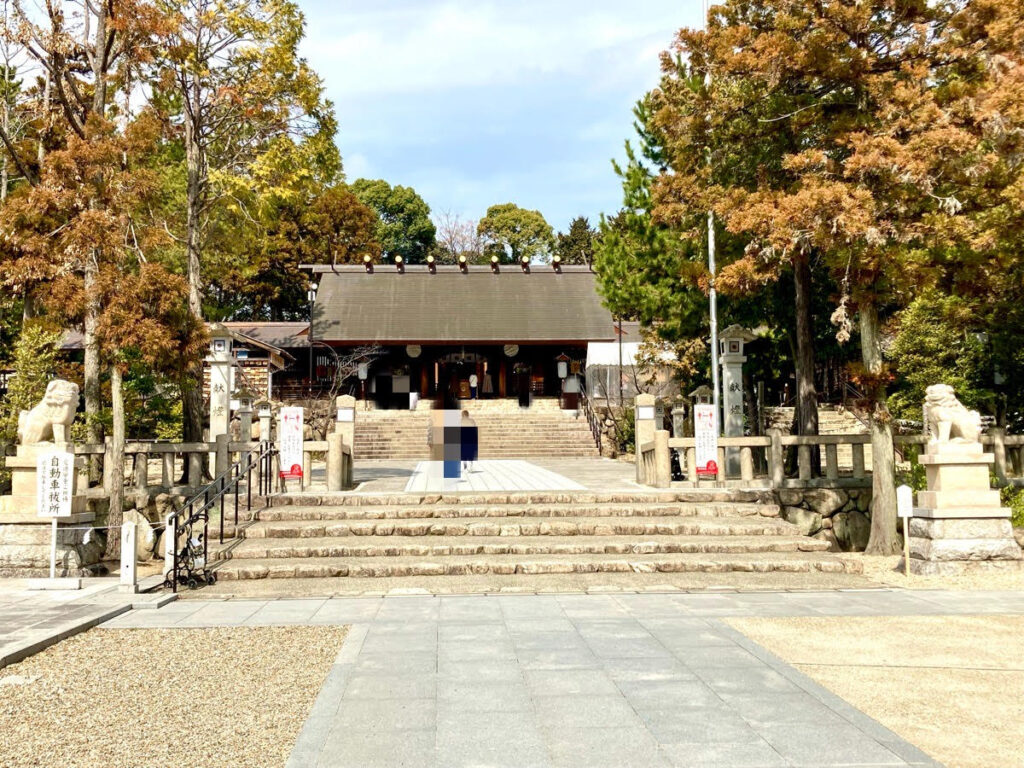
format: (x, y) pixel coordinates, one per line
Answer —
(662, 460)
(998, 435)
(346, 423)
(776, 459)
(335, 462)
(223, 458)
(644, 428)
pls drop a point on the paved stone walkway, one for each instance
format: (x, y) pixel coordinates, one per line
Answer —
(488, 475)
(394, 476)
(577, 680)
(31, 620)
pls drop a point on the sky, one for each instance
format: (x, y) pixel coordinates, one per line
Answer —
(479, 102)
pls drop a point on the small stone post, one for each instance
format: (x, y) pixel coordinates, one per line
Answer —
(170, 543)
(643, 431)
(129, 570)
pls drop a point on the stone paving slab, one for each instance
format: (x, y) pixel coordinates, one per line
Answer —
(32, 620)
(577, 680)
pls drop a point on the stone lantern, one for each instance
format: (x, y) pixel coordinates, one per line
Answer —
(731, 359)
(245, 399)
(265, 412)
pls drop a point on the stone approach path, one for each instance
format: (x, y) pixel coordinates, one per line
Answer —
(577, 680)
(488, 475)
(32, 620)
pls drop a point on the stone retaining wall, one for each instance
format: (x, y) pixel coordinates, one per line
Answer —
(839, 516)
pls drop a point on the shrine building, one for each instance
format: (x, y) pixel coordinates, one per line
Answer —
(518, 329)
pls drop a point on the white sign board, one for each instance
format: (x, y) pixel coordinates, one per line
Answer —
(705, 432)
(289, 441)
(904, 501)
(55, 483)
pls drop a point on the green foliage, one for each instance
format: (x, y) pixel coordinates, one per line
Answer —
(624, 428)
(404, 228)
(644, 271)
(577, 245)
(35, 364)
(1012, 496)
(915, 476)
(935, 344)
(513, 233)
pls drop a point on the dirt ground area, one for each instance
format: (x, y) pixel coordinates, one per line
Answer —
(149, 698)
(888, 571)
(952, 685)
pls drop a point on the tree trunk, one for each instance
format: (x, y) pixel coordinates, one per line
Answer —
(192, 388)
(807, 396)
(883, 539)
(116, 514)
(94, 429)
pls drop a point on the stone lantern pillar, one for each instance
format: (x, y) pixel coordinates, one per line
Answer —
(220, 360)
(731, 359)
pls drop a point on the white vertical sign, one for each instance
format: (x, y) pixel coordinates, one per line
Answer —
(289, 439)
(55, 483)
(705, 432)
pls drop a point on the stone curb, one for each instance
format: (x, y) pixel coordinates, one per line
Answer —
(869, 726)
(41, 640)
(321, 716)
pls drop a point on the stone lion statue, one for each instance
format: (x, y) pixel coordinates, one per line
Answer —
(946, 418)
(50, 419)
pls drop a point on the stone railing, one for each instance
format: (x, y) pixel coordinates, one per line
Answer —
(190, 465)
(778, 460)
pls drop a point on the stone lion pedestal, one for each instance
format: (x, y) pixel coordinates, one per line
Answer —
(24, 536)
(958, 524)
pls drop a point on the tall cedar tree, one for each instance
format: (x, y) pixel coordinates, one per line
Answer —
(85, 52)
(244, 94)
(879, 98)
(88, 205)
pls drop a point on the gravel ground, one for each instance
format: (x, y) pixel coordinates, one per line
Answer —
(111, 699)
(889, 571)
(954, 686)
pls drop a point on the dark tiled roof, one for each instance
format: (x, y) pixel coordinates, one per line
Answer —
(285, 335)
(281, 335)
(450, 306)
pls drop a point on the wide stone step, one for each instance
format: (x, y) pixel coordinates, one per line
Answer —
(413, 546)
(565, 526)
(672, 510)
(531, 498)
(461, 565)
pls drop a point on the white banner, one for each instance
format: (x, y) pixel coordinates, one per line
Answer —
(289, 441)
(55, 483)
(705, 432)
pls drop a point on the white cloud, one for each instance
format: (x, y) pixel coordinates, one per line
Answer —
(446, 45)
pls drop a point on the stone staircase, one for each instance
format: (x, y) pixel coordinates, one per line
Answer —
(504, 534)
(506, 431)
(832, 420)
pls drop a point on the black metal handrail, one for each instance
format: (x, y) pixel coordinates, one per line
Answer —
(191, 559)
(592, 420)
